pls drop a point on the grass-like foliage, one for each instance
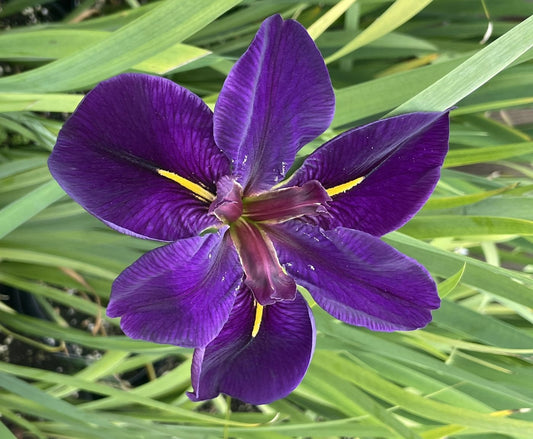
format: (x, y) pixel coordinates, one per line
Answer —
(67, 371)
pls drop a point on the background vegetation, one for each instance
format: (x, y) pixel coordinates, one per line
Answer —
(67, 370)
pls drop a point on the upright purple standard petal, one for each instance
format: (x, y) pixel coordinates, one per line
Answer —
(277, 98)
(257, 369)
(179, 294)
(400, 159)
(109, 152)
(356, 277)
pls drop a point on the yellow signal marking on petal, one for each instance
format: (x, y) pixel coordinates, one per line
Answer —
(258, 319)
(344, 187)
(187, 184)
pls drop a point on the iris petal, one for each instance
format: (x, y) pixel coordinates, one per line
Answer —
(400, 160)
(181, 293)
(110, 154)
(277, 97)
(257, 369)
(356, 277)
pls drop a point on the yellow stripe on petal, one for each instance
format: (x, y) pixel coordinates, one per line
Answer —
(344, 187)
(196, 189)
(258, 319)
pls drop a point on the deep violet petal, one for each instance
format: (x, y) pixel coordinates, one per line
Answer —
(258, 369)
(277, 98)
(180, 294)
(108, 152)
(400, 159)
(356, 277)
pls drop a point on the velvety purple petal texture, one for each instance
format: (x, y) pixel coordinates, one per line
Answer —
(108, 152)
(356, 277)
(179, 294)
(277, 98)
(257, 369)
(400, 159)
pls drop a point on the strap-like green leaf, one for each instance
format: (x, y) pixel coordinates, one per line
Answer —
(174, 20)
(19, 211)
(474, 72)
(392, 18)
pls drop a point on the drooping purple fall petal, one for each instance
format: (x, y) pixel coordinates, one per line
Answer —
(180, 294)
(108, 153)
(257, 369)
(277, 98)
(400, 159)
(356, 277)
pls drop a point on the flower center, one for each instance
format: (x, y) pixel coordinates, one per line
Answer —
(227, 206)
(245, 216)
(275, 206)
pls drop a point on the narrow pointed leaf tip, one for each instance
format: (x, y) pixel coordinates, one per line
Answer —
(150, 159)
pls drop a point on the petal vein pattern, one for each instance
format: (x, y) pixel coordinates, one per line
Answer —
(109, 152)
(356, 277)
(273, 102)
(256, 369)
(400, 159)
(164, 295)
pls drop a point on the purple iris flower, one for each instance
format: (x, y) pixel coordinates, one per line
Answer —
(150, 159)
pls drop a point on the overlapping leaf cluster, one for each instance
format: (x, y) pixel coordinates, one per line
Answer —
(468, 373)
